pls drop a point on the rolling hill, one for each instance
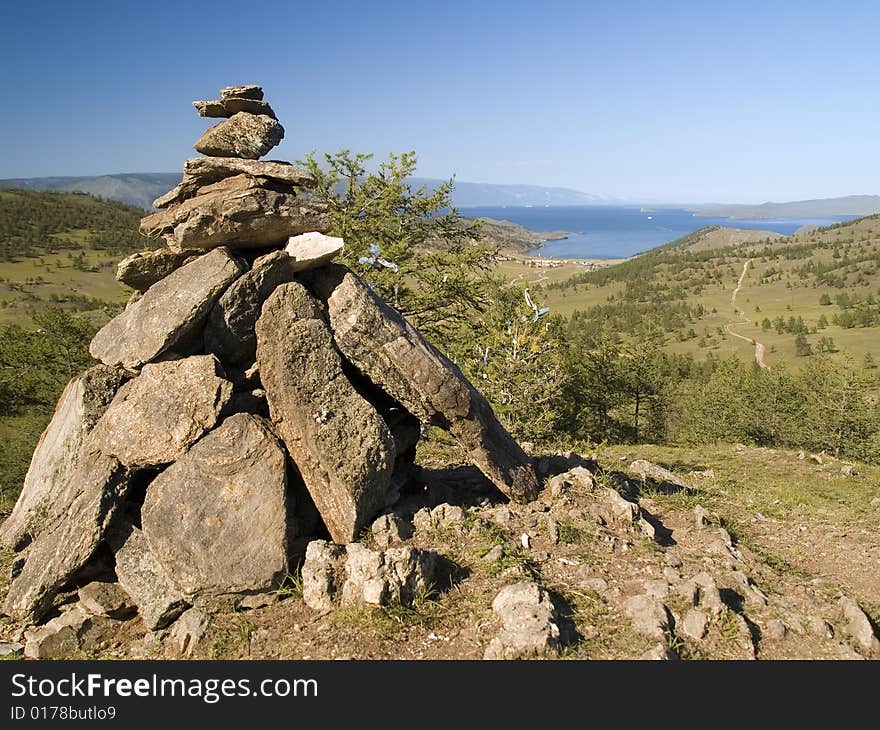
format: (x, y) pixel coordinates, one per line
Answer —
(821, 283)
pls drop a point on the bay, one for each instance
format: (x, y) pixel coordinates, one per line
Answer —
(612, 231)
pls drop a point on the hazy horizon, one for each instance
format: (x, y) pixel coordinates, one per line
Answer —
(684, 103)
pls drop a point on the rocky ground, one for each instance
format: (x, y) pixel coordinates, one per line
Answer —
(621, 559)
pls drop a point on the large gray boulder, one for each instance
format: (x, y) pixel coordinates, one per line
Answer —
(240, 212)
(229, 333)
(341, 445)
(378, 341)
(140, 574)
(216, 519)
(201, 171)
(55, 458)
(170, 312)
(233, 105)
(249, 136)
(157, 416)
(143, 269)
(76, 524)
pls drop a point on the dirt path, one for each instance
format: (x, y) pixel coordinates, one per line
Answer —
(760, 350)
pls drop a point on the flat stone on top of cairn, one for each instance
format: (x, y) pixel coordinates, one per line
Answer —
(248, 91)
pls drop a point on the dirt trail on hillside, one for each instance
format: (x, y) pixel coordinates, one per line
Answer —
(760, 350)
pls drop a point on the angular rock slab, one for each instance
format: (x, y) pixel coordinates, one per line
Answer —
(236, 212)
(230, 333)
(227, 107)
(246, 91)
(216, 519)
(313, 249)
(249, 136)
(140, 574)
(54, 461)
(529, 623)
(340, 444)
(386, 348)
(201, 171)
(171, 311)
(158, 415)
(91, 499)
(143, 269)
(105, 599)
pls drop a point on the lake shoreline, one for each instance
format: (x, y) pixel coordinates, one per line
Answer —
(619, 232)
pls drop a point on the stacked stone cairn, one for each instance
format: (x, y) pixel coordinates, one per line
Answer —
(252, 398)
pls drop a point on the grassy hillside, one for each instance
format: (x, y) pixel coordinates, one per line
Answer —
(61, 249)
(822, 283)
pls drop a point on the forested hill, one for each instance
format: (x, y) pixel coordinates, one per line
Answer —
(139, 189)
(811, 293)
(33, 223)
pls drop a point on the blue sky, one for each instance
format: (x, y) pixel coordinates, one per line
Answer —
(666, 101)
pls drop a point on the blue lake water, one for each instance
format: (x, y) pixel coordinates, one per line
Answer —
(600, 231)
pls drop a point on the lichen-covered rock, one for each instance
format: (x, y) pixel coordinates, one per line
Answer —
(216, 519)
(576, 478)
(341, 445)
(397, 575)
(76, 524)
(54, 460)
(199, 172)
(159, 601)
(157, 416)
(240, 212)
(529, 623)
(242, 135)
(323, 573)
(170, 312)
(229, 333)
(143, 269)
(334, 574)
(393, 354)
(389, 529)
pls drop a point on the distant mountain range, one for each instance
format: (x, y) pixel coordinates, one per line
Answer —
(476, 195)
(855, 205)
(142, 189)
(136, 188)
